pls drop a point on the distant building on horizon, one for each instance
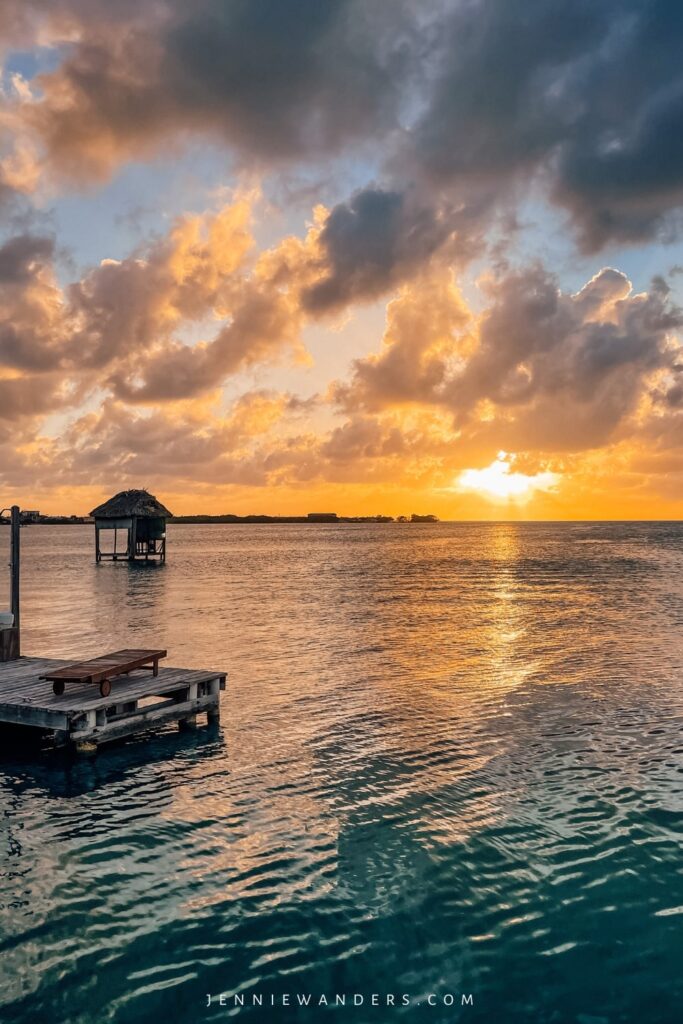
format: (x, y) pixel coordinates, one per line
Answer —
(322, 517)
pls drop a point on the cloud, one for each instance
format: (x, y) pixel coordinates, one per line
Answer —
(20, 398)
(178, 442)
(20, 255)
(465, 105)
(565, 372)
(441, 118)
(538, 369)
(253, 444)
(539, 372)
(286, 80)
(371, 242)
(427, 328)
(361, 438)
(277, 82)
(584, 97)
(132, 306)
(263, 322)
(123, 316)
(31, 308)
(129, 327)
(263, 317)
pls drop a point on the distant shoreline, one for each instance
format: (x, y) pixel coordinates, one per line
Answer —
(285, 520)
(320, 520)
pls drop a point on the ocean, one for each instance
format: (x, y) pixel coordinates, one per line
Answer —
(447, 784)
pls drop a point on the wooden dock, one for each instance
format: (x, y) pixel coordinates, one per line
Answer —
(82, 718)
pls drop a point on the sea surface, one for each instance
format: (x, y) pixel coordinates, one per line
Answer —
(449, 764)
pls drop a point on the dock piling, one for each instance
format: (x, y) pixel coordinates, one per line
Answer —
(10, 635)
(15, 570)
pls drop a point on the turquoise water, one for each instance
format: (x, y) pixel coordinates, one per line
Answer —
(449, 763)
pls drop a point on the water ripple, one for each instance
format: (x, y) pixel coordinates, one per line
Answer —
(449, 761)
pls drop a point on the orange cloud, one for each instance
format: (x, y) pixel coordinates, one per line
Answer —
(581, 389)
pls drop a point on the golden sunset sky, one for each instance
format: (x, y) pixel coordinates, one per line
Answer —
(351, 256)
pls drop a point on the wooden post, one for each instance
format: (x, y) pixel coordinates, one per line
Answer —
(213, 715)
(190, 721)
(15, 561)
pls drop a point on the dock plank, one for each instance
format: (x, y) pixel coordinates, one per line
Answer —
(40, 718)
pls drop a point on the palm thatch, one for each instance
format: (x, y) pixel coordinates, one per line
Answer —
(131, 503)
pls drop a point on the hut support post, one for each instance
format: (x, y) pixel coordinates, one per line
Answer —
(133, 539)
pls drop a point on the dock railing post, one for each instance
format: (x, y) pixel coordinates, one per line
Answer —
(15, 576)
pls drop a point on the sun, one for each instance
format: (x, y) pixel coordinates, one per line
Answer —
(499, 483)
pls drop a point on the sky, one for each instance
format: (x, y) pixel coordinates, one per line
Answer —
(277, 257)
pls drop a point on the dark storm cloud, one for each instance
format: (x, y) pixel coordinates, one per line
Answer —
(372, 241)
(466, 102)
(286, 79)
(503, 75)
(31, 335)
(276, 80)
(19, 255)
(589, 96)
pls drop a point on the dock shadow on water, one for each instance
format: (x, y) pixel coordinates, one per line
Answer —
(449, 763)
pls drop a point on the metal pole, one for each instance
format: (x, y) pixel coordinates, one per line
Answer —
(15, 560)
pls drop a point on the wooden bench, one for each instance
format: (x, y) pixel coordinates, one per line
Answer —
(103, 669)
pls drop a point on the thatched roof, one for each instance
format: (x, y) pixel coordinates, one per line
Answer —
(130, 503)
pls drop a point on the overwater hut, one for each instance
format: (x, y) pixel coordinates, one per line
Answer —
(142, 519)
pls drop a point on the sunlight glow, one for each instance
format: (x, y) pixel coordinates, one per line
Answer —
(499, 483)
